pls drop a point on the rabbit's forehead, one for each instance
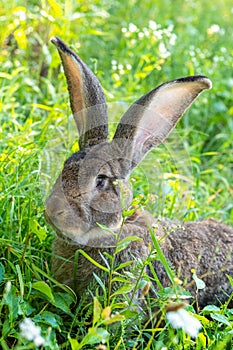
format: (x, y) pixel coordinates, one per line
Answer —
(102, 159)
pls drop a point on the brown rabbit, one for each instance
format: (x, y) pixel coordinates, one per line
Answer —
(88, 190)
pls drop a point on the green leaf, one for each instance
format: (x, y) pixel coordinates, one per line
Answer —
(230, 279)
(75, 345)
(119, 305)
(113, 319)
(120, 279)
(97, 311)
(100, 282)
(211, 308)
(44, 288)
(93, 261)
(123, 265)
(105, 228)
(129, 314)
(106, 312)
(201, 341)
(41, 106)
(125, 289)
(220, 318)
(38, 230)
(225, 343)
(129, 212)
(11, 299)
(6, 328)
(25, 308)
(20, 277)
(103, 257)
(161, 256)
(2, 271)
(95, 335)
(49, 318)
(125, 242)
(63, 301)
(6, 75)
(199, 283)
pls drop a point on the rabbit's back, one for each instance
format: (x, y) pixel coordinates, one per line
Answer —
(205, 247)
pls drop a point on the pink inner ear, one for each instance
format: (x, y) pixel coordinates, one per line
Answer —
(164, 110)
(154, 126)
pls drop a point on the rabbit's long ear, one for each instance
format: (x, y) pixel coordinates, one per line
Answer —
(149, 120)
(87, 99)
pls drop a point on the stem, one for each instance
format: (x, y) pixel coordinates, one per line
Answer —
(25, 248)
(162, 258)
(113, 261)
(139, 277)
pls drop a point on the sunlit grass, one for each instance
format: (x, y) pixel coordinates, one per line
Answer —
(132, 47)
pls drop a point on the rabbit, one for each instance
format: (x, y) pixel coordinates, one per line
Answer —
(94, 180)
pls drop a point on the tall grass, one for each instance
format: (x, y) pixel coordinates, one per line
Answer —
(132, 47)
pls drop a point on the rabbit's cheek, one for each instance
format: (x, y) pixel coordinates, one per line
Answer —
(106, 202)
(66, 214)
(69, 223)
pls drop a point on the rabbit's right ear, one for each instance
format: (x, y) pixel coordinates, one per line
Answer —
(149, 120)
(87, 99)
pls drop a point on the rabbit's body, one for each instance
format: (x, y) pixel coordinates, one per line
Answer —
(188, 246)
(95, 179)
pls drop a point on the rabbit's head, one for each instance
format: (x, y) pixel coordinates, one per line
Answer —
(90, 187)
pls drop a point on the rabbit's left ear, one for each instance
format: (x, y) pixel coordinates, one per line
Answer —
(87, 99)
(149, 120)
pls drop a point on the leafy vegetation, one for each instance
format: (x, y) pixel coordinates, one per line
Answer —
(132, 47)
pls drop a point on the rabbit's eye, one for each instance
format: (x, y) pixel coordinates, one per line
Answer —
(101, 182)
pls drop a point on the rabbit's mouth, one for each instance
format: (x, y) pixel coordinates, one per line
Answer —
(64, 220)
(94, 237)
(78, 231)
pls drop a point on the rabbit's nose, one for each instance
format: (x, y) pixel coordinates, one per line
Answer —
(54, 209)
(52, 216)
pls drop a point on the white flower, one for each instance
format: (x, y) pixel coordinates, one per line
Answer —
(182, 319)
(153, 25)
(21, 13)
(8, 287)
(141, 35)
(39, 340)
(164, 53)
(172, 40)
(31, 332)
(133, 28)
(215, 29)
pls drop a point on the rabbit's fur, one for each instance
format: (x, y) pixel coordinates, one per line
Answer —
(89, 189)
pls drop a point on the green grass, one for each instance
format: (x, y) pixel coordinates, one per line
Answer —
(192, 173)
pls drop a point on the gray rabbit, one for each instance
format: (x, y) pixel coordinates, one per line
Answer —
(94, 180)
